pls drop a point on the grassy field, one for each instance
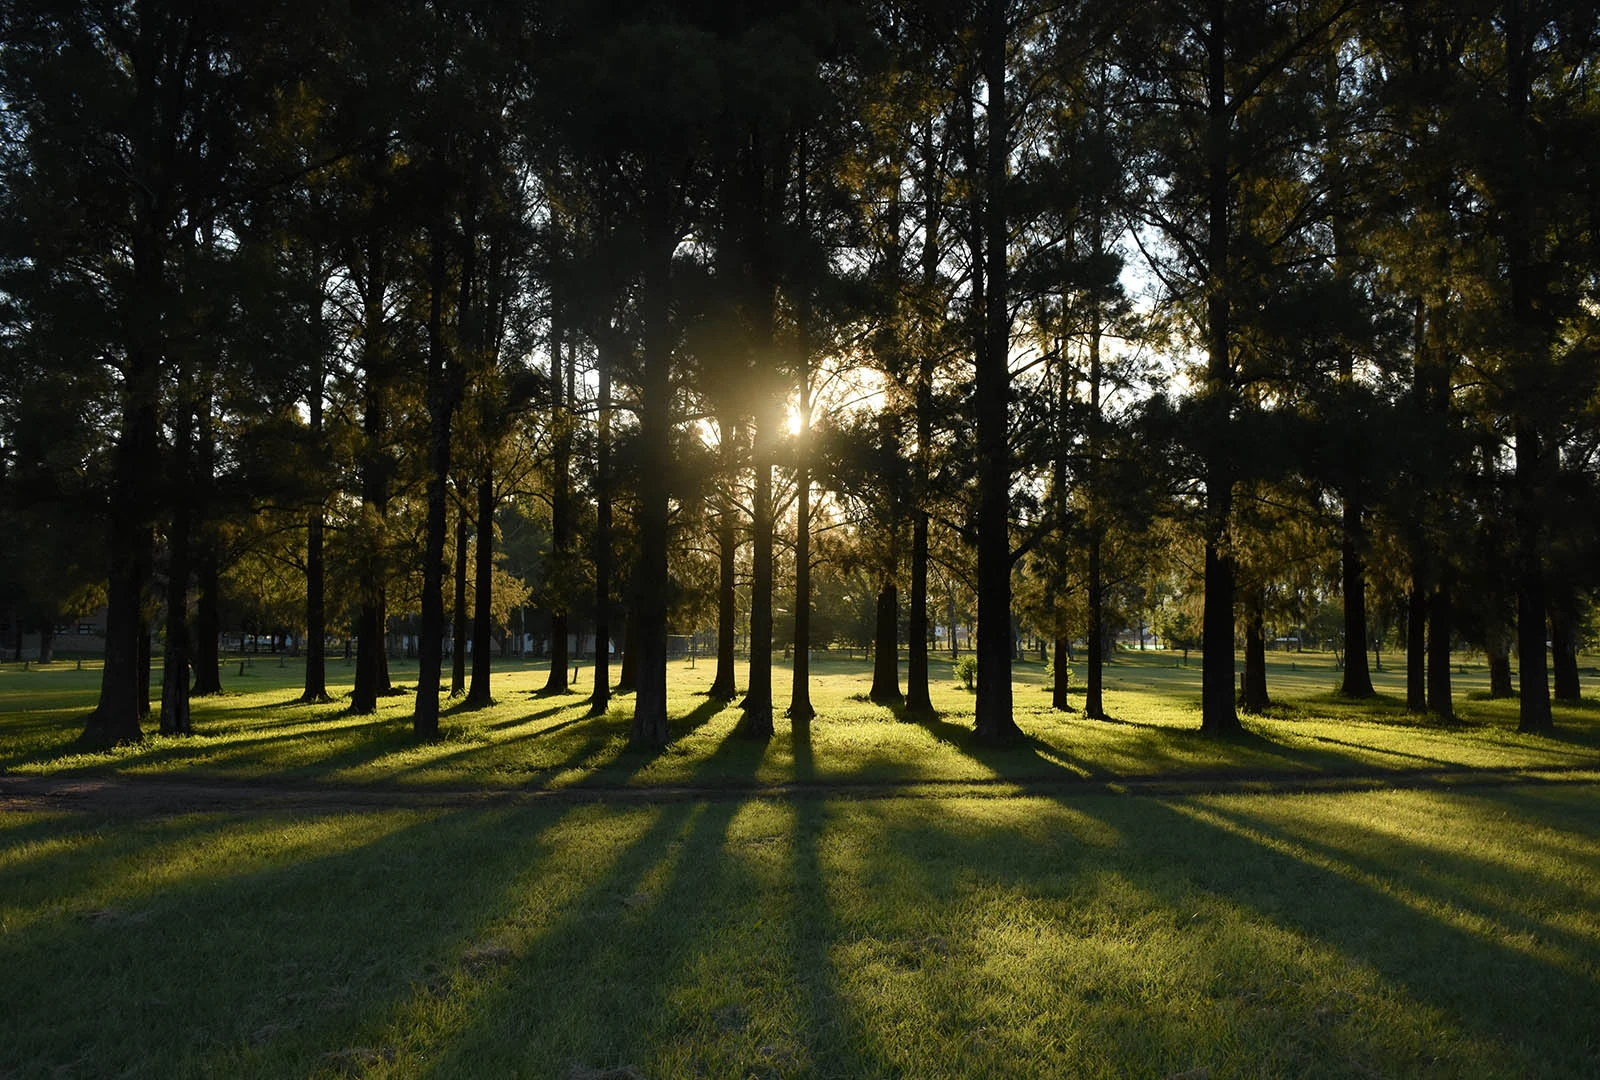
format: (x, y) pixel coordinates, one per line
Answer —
(907, 904)
(258, 732)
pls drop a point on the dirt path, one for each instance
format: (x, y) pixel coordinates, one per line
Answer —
(125, 796)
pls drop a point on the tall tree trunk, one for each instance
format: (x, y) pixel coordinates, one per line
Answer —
(994, 720)
(800, 710)
(130, 537)
(207, 622)
(175, 661)
(560, 512)
(430, 635)
(1498, 651)
(1218, 713)
(1530, 372)
(482, 623)
(47, 641)
(757, 719)
(315, 689)
(1255, 655)
(723, 687)
(628, 670)
(655, 448)
(1564, 648)
(142, 674)
(1061, 675)
(1357, 676)
(1440, 630)
(458, 612)
(1533, 682)
(600, 699)
(885, 647)
(918, 700)
(372, 668)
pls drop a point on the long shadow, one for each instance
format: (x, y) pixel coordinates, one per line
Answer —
(826, 1028)
(641, 960)
(293, 952)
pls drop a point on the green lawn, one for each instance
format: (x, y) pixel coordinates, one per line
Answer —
(257, 732)
(1406, 933)
(908, 904)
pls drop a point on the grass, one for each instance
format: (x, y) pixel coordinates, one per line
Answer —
(907, 903)
(1405, 933)
(258, 733)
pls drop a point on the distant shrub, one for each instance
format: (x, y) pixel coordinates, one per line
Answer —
(1050, 670)
(966, 670)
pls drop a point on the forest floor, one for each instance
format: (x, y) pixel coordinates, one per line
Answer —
(1343, 891)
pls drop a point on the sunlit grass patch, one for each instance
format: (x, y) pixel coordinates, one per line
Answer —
(529, 739)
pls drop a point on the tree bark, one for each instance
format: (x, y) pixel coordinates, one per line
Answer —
(1500, 685)
(175, 718)
(560, 513)
(994, 720)
(1440, 629)
(885, 647)
(1218, 713)
(1255, 656)
(372, 669)
(628, 670)
(723, 686)
(757, 719)
(1564, 649)
(800, 710)
(600, 699)
(458, 613)
(482, 623)
(1357, 676)
(430, 634)
(1061, 678)
(655, 448)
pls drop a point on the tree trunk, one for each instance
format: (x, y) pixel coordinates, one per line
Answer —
(430, 634)
(1564, 650)
(723, 687)
(483, 602)
(991, 297)
(1061, 676)
(757, 720)
(175, 661)
(372, 669)
(47, 641)
(885, 647)
(315, 689)
(124, 692)
(1499, 655)
(1533, 712)
(142, 675)
(1357, 677)
(655, 449)
(600, 699)
(1218, 713)
(458, 613)
(800, 710)
(560, 512)
(1416, 646)
(1094, 704)
(1520, 151)
(1255, 656)
(1439, 634)
(917, 698)
(628, 672)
